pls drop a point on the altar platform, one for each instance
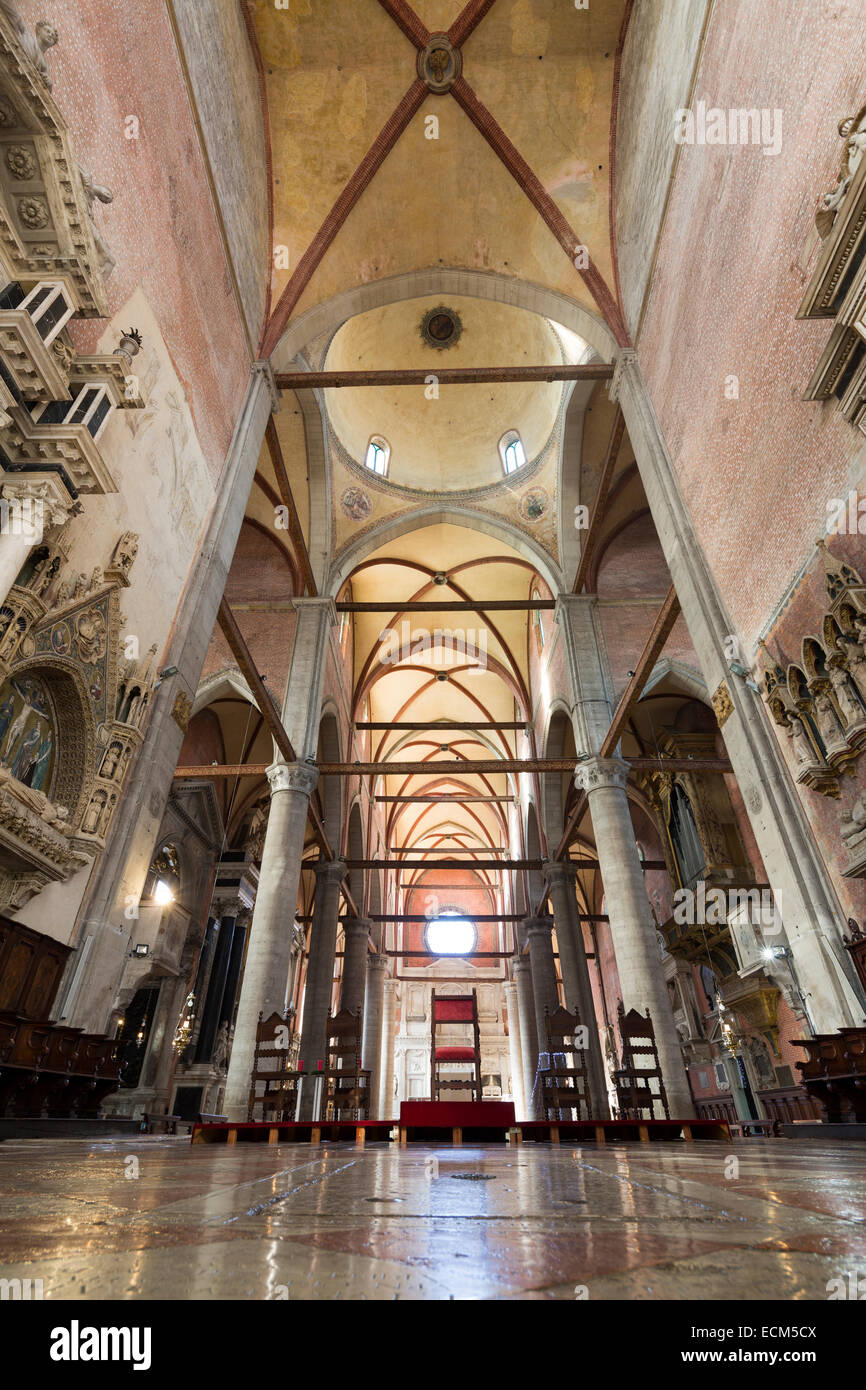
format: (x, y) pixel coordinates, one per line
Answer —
(458, 1122)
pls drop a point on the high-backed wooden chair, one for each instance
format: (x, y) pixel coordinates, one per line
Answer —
(448, 1010)
(639, 1083)
(273, 1082)
(565, 1093)
(346, 1094)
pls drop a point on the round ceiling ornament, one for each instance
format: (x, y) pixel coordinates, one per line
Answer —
(439, 64)
(441, 327)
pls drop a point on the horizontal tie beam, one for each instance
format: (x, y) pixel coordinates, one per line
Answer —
(444, 864)
(445, 376)
(454, 767)
(498, 605)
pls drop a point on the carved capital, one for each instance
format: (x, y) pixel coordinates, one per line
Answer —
(377, 963)
(330, 870)
(292, 777)
(264, 370)
(356, 926)
(597, 772)
(44, 502)
(324, 604)
(626, 360)
(559, 871)
(538, 928)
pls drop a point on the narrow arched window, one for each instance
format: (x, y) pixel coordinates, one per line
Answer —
(512, 452)
(378, 453)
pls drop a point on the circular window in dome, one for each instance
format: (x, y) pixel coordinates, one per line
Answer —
(441, 327)
(450, 934)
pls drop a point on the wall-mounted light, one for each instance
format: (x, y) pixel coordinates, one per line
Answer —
(167, 671)
(140, 949)
(738, 669)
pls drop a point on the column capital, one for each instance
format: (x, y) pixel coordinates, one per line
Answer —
(566, 601)
(292, 777)
(356, 926)
(263, 370)
(537, 927)
(595, 772)
(322, 603)
(559, 871)
(49, 502)
(626, 361)
(330, 870)
(377, 963)
(521, 963)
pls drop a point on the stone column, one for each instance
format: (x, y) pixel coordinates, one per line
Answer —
(638, 960)
(802, 887)
(31, 504)
(356, 931)
(539, 936)
(528, 1033)
(516, 1057)
(371, 1047)
(576, 985)
(175, 992)
(387, 1101)
(318, 988)
(119, 876)
(269, 952)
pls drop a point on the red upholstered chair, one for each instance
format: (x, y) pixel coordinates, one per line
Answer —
(448, 1010)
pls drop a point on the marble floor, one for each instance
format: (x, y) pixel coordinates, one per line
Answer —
(156, 1218)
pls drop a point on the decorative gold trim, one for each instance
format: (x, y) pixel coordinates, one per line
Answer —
(723, 705)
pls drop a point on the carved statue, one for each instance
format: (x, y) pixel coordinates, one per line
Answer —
(93, 192)
(94, 810)
(256, 835)
(803, 750)
(854, 821)
(852, 710)
(44, 575)
(827, 719)
(97, 579)
(221, 1047)
(35, 43)
(124, 553)
(853, 131)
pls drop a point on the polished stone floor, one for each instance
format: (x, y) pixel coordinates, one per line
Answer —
(157, 1218)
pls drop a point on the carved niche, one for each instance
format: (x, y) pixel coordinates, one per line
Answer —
(72, 711)
(820, 700)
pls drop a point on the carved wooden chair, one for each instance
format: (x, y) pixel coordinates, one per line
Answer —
(447, 1010)
(564, 1081)
(639, 1083)
(273, 1082)
(346, 1094)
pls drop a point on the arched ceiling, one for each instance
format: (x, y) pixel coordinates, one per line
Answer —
(374, 175)
(448, 441)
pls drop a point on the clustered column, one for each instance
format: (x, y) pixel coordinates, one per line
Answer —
(576, 985)
(266, 972)
(639, 964)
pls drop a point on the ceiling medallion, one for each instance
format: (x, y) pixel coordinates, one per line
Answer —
(439, 64)
(441, 327)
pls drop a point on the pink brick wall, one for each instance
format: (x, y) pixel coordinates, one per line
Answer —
(756, 472)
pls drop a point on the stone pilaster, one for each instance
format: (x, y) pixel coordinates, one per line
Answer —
(388, 1108)
(266, 972)
(638, 961)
